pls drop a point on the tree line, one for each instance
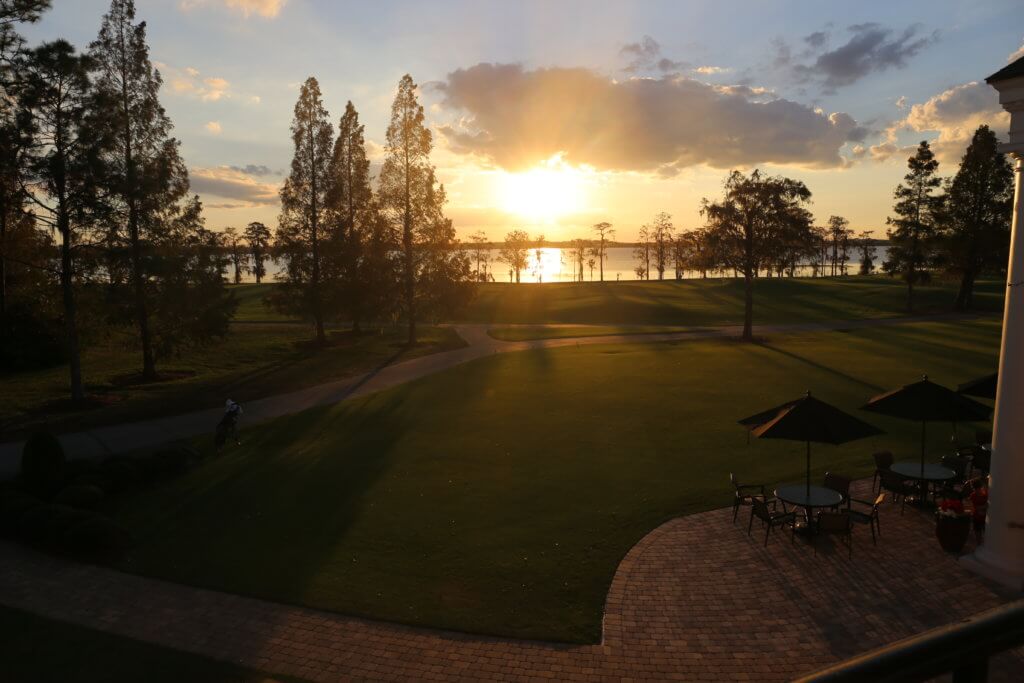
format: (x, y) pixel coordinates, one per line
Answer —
(761, 227)
(98, 227)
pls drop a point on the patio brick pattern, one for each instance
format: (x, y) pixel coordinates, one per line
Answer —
(697, 599)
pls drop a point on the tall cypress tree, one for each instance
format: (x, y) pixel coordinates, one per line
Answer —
(909, 240)
(349, 199)
(146, 175)
(258, 237)
(404, 182)
(305, 210)
(974, 220)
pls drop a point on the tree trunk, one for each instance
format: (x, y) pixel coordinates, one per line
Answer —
(70, 325)
(139, 288)
(965, 294)
(748, 307)
(3, 260)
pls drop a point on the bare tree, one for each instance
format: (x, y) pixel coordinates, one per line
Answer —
(605, 232)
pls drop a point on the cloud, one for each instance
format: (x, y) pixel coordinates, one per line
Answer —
(514, 118)
(258, 170)
(1016, 54)
(263, 8)
(190, 83)
(708, 70)
(231, 183)
(871, 48)
(646, 56)
(213, 127)
(954, 114)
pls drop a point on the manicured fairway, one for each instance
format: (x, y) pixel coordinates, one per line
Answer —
(499, 497)
(47, 651)
(714, 301)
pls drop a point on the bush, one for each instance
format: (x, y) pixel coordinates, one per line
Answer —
(13, 504)
(42, 462)
(97, 537)
(29, 341)
(87, 496)
(122, 472)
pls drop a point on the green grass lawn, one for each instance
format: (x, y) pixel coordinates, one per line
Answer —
(254, 360)
(46, 651)
(499, 497)
(251, 304)
(713, 301)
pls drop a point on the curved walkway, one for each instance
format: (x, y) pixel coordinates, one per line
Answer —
(697, 599)
(150, 433)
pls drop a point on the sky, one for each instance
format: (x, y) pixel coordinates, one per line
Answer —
(553, 116)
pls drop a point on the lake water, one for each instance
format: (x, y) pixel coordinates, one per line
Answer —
(555, 265)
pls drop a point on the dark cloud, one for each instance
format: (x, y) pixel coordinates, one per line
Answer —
(515, 117)
(646, 56)
(227, 182)
(257, 170)
(817, 39)
(871, 48)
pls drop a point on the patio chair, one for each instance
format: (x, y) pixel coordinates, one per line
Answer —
(982, 461)
(869, 516)
(835, 524)
(744, 494)
(770, 516)
(960, 466)
(897, 486)
(840, 485)
(883, 461)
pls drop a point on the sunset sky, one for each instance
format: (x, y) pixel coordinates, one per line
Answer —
(552, 116)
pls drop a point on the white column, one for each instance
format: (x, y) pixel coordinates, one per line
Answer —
(1002, 555)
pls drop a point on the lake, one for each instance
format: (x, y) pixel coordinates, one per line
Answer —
(555, 265)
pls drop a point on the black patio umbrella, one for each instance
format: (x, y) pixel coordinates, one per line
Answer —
(809, 420)
(983, 387)
(925, 401)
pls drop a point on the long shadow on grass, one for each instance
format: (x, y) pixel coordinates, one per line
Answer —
(823, 368)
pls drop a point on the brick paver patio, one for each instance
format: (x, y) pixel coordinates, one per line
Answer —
(696, 599)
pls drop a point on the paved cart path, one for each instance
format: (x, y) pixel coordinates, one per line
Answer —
(142, 434)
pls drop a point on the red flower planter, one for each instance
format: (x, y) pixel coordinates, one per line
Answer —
(952, 532)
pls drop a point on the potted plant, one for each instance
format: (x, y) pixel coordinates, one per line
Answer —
(952, 525)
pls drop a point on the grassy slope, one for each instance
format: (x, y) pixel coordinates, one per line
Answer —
(527, 332)
(43, 651)
(499, 497)
(254, 360)
(712, 301)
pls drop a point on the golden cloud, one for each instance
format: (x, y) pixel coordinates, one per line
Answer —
(514, 118)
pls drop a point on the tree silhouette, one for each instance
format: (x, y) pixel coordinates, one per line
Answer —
(258, 237)
(62, 168)
(743, 224)
(605, 232)
(304, 209)
(914, 222)
(974, 217)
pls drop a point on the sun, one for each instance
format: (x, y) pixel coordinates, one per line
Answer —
(544, 193)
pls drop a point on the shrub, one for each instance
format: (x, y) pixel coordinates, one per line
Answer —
(97, 537)
(80, 495)
(13, 505)
(122, 472)
(42, 462)
(29, 341)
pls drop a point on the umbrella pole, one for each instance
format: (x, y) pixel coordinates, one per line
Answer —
(808, 470)
(923, 433)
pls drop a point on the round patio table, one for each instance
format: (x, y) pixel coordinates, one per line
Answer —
(910, 469)
(808, 499)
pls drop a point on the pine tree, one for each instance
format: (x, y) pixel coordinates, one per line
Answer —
(305, 210)
(913, 225)
(974, 219)
(62, 168)
(405, 181)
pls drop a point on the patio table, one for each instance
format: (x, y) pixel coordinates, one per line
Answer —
(930, 472)
(801, 496)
